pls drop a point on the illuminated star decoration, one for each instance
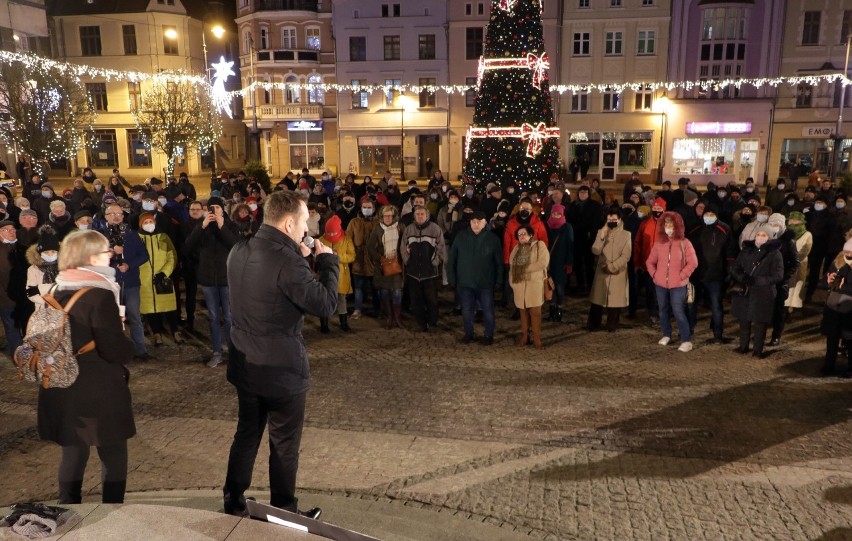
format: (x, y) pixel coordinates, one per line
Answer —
(221, 97)
(507, 5)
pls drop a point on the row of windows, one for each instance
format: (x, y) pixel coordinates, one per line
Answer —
(290, 95)
(613, 43)
(612, 102)
(812, 25)
(361, 100)
(586, 4)
(425, 46)
(90, 40)
(805, 94)
(288, 39)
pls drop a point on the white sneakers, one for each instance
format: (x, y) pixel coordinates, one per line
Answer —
(215, 360)
(356, 314)
(664, 341)
(685, 346)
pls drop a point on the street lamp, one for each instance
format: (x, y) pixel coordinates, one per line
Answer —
(838, 137)
(661, 107)
(218, 32)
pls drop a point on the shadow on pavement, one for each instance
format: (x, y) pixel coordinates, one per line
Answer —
(837, 534)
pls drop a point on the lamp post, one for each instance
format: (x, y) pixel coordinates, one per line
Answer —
(661, 106)
(218, 32)
(255, 134)
(838, 137)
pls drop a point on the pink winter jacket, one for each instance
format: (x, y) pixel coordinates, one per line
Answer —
(672, 260)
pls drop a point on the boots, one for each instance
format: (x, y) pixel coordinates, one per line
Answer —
(535, 324)
(113, 491)
(388, 311)
(613, 317)
(324, 325)
(70, 491)
(557, 314)
(344, 323)
(397, 315)
(551, 315)
(525, 327)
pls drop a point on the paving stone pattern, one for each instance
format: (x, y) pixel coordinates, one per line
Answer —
(598, 436)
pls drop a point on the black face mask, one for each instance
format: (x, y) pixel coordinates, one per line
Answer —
(657, 213)
(747, 217)
(612, 225)
(524, 216)
(467, 216)
(627, 211)
(348, 204)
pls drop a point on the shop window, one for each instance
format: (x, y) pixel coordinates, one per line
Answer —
(307, 149)
(104, 150)
(139, 154)
(378, 157)
(704, 156)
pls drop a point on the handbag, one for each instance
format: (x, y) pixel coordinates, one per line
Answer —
(391, 266)
(839, 302)
(549, 286)
(163, 284)
(690, 287)
(737, 289)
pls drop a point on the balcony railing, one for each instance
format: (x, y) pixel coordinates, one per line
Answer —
(287, 112)
(292, 5)
(288, 55)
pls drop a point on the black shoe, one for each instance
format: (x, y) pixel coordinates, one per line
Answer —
(237, 507)
(143, 358)
(775, 342)
(487, 341)
(760, 354)
(456, 311)
(344, 323)
(557, 317)
(466, 339)
(314, 513)
(324, 325)
(741, 350)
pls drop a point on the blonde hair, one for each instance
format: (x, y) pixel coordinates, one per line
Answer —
(79, 246)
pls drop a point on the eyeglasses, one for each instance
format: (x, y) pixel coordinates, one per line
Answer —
(111, 252)
(113, 213)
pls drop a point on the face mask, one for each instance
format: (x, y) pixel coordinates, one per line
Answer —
(524, 215)
(848, 260)
(253, 207)
(709, 221)
(840, 204)
(638, 189)
(162, 201)
(780, 186)
(367, 212)
(7, 241)
(510, 190)
(149, 205)
(657, 213)
(747, 217)
(762, 218)
(50, 258)
(149, 227)
(454, 202)
(819, 207)
(640, 214)
(669, 231)
(137, 196)
(722, 194)
(433, 196)
(791, 202)
(46, 194)
(324, 177)
(759, 241)
(98, 187)
(750, 190)
(468, 193)
(445, 188)
(348, 204)
(306, 193)
(612, 225)
(83, 227)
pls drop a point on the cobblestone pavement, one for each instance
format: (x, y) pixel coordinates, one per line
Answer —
(598, 436)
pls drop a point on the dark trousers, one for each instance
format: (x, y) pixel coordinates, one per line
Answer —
(816, 260)
(779, 311)
(613, 316)
(832, 348)
(709, 293)
(633, 289)
(424, 299)
(584, 266)
(72, 467)
(285, 417)
(470, 296)
(759, 329)
(646, 282)
(190, 284)
(159, 321)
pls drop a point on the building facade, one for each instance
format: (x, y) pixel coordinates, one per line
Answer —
(23, 28)
(720, 134)
(147, 36)
(612, 133)
(386, 43)
(815, 40)
(289, 42)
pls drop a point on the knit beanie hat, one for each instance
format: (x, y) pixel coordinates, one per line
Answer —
(47, 239)
(779, 220)
(689, 196)
(764, 228)
(146, 217)
(660, 202)
(333, 229)
(553, 222)
(215, 201)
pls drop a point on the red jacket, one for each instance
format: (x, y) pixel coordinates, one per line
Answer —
(645, 237)
(509, 239)
(672, 260)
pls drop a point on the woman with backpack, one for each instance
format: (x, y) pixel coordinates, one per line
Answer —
(95, 410)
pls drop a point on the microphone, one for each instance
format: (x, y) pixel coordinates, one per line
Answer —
(308, 241)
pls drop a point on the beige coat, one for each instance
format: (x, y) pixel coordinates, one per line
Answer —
(529, 293)
(796, 296)
(609, 288)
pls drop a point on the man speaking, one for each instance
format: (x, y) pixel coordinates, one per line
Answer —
(271, 289)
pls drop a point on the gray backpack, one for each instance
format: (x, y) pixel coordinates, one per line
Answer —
(46, 356)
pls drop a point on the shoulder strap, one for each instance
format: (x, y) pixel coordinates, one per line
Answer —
(74, 298)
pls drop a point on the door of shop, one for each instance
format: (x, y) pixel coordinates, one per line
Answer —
(429, 145)
(609, 157)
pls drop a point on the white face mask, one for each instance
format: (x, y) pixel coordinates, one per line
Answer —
(162, 201)
(791, 202)
(640, 214)
(98, 187)
(781, 186)
(819, 207)
(50, 258)
(149, 205)
(46, 194)
(7, 241)
(253, 206)
(762, 218)
(669, 231)
(83, 227)
(137, 196)
(367, 212)
(149, 227)
(840, 204)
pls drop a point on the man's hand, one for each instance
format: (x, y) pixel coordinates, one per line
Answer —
(124, 267)
(830, 277)
(320, 248)
(118, 250)
(305, 250)
(207, 220)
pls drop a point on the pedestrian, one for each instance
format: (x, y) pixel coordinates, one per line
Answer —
(212, 239)
(670, 264)
(384, 248)
(715, 250)
(272, 288)
(804, 243)
(528, 264)
(44, 266)
(359, 231)
(646, 236)
(524, 216)
(96, 409)
(14, 306)
(159, 306)
(429, 165)
(759, 268)
(475, 268)
(822, 225)
(344, 249)
(613, 249)
(586, 218)
(423, 256)
(560, 235)
(790, 258)
(837, 325)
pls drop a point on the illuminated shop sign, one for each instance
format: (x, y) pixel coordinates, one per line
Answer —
(305, 125)
(717, 128)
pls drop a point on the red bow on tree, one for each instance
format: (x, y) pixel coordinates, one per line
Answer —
(539, 67)
(507, 5)
(534, 136)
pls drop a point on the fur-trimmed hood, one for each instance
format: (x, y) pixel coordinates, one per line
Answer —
(679, 228)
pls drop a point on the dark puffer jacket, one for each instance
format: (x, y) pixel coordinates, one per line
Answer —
(761, 269)
(212, 244)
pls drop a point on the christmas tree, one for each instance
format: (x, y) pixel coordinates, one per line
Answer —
(513, 136)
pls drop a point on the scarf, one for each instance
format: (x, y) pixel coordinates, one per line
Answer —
(555, 223)
(390, 238)
(100, 277)
(797, 229)
(521, 262)
(49, 270)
